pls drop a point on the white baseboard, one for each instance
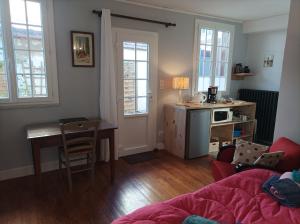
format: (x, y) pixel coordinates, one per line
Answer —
(28, 170)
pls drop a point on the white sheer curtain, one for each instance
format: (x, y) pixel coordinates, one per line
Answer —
(108, 91)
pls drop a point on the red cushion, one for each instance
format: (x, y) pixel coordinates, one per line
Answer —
(291, 158)
(221, 170)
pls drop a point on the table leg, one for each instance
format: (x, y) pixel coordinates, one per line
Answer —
(36, 152)
(112, 155)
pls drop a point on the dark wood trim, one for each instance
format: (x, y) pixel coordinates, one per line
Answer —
(72, 50)
(166, 24)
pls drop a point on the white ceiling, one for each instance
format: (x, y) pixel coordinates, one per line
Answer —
(240, 10)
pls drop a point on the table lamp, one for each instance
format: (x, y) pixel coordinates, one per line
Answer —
(181, 83)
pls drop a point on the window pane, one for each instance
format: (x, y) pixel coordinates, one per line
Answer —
(221, 83)
(20, 40)
(24, 86)
(34, 13)
(142, 52)
(222, 54)
(22, 62)
(17, 11)
(141, 87)
(129, 88)
(208, 53)
(37, 62)
(203, 83)
(128, 51)
(222, 69)
(209, 37)
(35, 38)
(203, 36)
(1, 35)
(129, 106)
(142, 70)
(142, 105)
(39, 86)
(223, 38)
(3, 86)
(129, 69)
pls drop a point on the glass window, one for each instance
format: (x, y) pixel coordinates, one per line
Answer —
(135, 75)
(4, 94)
(28, 52)
(27, 31)
(213, 61)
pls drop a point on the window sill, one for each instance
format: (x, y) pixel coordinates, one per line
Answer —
(29, 104)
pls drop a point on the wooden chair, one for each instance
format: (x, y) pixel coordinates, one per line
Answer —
(79, 143)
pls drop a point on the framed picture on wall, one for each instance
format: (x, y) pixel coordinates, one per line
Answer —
(82, 49)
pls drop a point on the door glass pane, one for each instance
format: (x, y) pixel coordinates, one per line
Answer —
(129, 69)
(142, 105)
(142, 70)
(142, 88)
(142, 52)
(129, 106)
(129, 51)
(135, 75)
(129, 88)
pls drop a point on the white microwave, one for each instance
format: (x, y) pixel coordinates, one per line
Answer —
(221, 115)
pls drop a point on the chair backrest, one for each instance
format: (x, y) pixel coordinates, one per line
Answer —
(77, 135)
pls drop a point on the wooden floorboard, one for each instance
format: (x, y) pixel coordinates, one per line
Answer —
(47, 201)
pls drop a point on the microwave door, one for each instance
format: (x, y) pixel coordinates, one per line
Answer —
(220, 116)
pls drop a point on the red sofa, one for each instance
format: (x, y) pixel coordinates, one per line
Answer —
(222, 167)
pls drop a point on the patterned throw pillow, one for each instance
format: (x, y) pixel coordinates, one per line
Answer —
(248, 152)
(270, 159)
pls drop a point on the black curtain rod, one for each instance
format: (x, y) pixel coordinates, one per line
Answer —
(166, 24)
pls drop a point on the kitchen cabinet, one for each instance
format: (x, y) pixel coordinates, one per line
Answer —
(190, 133)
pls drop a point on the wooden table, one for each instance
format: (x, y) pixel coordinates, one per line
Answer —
(49, 135)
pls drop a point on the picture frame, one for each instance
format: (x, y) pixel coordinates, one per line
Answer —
(82, 45)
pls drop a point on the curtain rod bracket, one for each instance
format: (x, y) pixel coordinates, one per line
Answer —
(166, 24)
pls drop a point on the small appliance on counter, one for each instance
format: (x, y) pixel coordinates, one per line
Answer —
(221, 115)
(212, 94)
(199, 98)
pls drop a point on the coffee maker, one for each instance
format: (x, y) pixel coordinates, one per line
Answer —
(212, 94)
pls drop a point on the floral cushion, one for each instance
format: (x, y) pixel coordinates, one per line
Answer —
(248, 152)
(270, 159)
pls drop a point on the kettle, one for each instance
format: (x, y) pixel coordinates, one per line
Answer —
(199, 98)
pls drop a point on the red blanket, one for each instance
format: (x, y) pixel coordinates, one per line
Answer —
(236, 199)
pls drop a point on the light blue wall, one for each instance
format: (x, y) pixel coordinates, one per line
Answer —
(259, 46)
(79, 87)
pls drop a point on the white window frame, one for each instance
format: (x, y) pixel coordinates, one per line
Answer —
(196, 60)
(50, 59)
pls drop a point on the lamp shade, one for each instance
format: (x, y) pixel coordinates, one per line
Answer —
(181, 82)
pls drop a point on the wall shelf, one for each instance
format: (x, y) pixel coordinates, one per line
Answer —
(241, 76)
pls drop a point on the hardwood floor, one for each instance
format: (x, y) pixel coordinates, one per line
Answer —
(25, 200)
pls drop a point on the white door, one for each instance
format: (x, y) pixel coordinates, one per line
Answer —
(136, 55)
